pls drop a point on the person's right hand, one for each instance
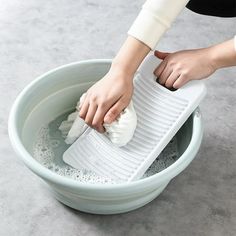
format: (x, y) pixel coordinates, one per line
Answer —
(105, 100)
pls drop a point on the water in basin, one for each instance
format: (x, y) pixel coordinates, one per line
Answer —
(49, 147)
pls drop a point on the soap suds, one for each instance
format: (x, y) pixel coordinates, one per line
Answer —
(50, 146)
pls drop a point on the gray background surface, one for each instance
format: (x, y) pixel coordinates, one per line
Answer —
(36, 36)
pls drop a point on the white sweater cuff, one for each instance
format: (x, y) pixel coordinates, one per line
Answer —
(148, 29)
(154, 19)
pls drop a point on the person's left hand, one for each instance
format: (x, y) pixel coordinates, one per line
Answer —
(178, 68)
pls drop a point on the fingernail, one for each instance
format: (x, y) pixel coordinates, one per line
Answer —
(107, 120)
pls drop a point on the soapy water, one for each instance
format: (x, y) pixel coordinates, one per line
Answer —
(49, 148)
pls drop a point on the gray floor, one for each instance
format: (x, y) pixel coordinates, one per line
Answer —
(36, 36)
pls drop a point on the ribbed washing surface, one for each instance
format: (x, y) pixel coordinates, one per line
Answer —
(160, 114)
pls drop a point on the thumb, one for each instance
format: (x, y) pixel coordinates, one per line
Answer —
(161, 55)
(114, 111)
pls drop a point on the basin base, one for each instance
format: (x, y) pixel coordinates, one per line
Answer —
(107, 207)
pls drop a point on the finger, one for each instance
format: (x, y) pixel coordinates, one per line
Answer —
(84, 109)
(82, 99)
(164, 75)
(114, 111)
(90, 114)
(98, 118)
(161, 55)
(181, 81)
(171, 79)
(159, 69)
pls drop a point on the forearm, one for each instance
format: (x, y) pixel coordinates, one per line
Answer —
(152, 22)
(223, 54)
(130, 56)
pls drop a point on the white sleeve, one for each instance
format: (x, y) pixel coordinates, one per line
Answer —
(154, 19)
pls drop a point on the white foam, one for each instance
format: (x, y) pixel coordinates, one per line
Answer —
(49, 147)
(44, 153)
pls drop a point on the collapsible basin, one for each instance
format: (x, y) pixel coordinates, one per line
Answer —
(56, 92)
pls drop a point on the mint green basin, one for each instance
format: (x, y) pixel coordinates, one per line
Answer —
(58, 91)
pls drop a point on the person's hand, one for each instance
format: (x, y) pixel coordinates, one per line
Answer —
(106, 99)
(178, 68)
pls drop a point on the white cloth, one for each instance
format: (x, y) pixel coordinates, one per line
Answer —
(121, 131)
(154, 19)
